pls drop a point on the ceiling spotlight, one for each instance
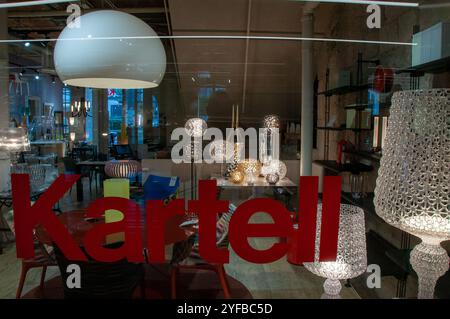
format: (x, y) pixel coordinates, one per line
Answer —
(36, 76)
(27, 44)
(193, 79)
(53, 80)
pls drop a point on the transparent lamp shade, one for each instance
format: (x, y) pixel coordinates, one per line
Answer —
(195, 127)
(221, 151)
(351, 258)
(14, 140)
(412, 190)
(271, 121)
(274, 167)
(251, 168)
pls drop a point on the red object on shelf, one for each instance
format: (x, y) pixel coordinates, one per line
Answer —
(384, 79)
(340, 148)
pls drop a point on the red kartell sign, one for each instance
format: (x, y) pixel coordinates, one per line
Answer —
(298, 242)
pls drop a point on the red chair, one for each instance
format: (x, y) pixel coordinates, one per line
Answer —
(44, 257)
(185, 255)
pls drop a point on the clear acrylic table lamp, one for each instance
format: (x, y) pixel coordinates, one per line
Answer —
(351, 260)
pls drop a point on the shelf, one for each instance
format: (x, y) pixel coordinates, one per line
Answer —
(364, 106)
(344, 90)
(292, 136)
(336, 168)
(437, 66)
(331, 128)
(368, 155)
(343, 129)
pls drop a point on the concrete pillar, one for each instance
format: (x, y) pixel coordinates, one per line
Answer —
(307, 125)
(4, 96)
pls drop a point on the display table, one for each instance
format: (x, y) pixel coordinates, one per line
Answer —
(46, 147)
(282, 190)
(258, 182)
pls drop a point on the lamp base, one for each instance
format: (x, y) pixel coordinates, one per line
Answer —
(430, 261)
(332, 288)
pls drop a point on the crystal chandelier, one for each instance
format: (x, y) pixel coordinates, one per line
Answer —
(412, 190)
(80, 108)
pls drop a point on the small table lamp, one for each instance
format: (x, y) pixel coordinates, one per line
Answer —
(221, 151)
(351, 260)
(14, 140)
(195, 128)
(251, 168)
(122, 168)
(412, 190)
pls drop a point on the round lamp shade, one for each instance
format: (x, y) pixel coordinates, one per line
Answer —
(271, 121)
(122, 169)
(195, 127)
(237, 177)
(251, 167)
(110, 49)
(275, 167)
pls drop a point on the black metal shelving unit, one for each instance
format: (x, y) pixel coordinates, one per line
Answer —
(359, 87)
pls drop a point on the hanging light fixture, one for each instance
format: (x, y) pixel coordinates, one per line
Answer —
(79, 109)
(110, 49)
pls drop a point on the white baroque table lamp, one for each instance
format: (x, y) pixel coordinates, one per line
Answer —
(412, 189)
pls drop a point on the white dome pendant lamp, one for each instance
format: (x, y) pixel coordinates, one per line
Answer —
(110, 49)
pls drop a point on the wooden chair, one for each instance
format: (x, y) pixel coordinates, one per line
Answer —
(185, 255)
(42, 259)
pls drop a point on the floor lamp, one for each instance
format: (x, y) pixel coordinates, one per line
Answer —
(412, 189)
(195, 128)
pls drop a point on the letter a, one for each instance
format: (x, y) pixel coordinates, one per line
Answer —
(74, 279)
(374, 19)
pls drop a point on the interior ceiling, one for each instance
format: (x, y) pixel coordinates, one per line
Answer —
(269, 70)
